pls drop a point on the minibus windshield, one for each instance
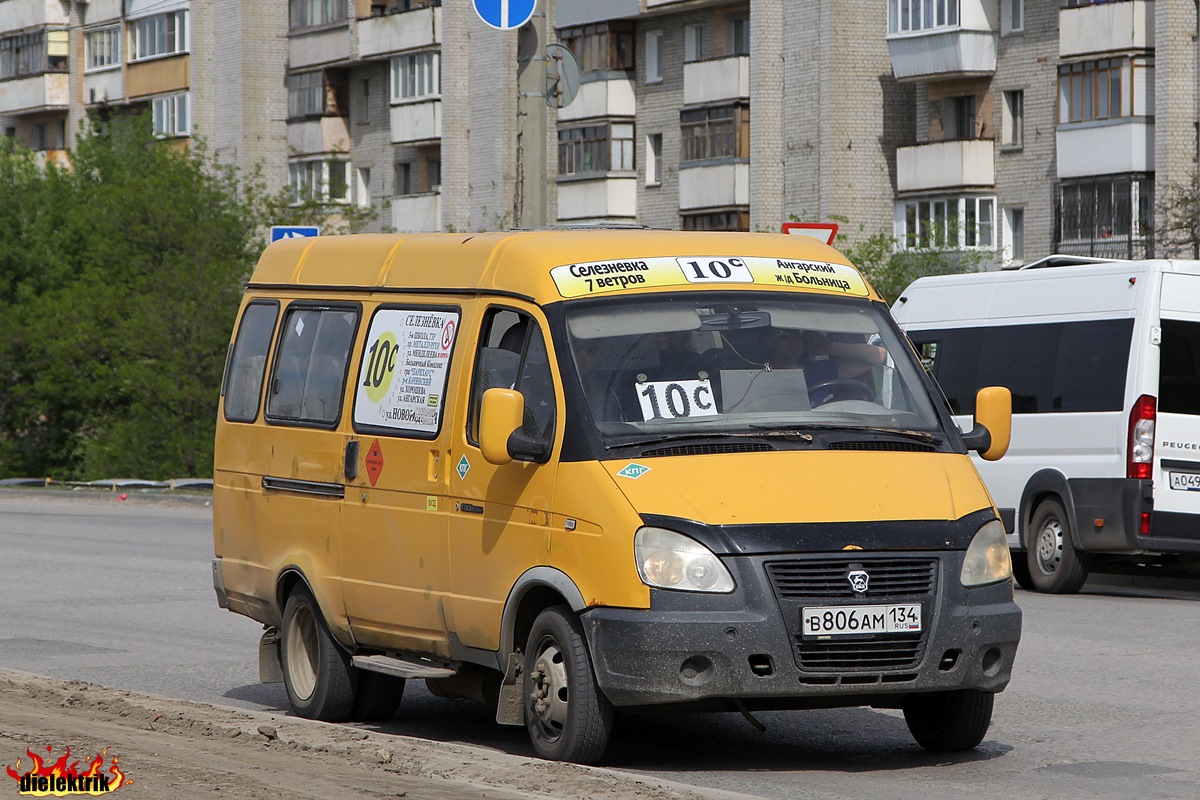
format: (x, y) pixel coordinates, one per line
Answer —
(696, 364)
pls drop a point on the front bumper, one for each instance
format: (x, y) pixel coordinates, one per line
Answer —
(745, 649)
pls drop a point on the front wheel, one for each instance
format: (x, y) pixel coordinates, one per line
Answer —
(320, 681)
(566, 714)
(1055, 566)
(949, 721)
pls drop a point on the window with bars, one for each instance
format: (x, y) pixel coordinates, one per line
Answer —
(103, 47)
(1107, 216)
(160, 35)
(415, 76)
(947, 223)
(714, 133)
(169, 115)
(600, 48)
(595, 149)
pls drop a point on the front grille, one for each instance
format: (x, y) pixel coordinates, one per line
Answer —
(896, 577)
(709, 449)
(895, 447)
(877, 654)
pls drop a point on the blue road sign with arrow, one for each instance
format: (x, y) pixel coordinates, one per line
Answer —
(506, 15)
(293, 232)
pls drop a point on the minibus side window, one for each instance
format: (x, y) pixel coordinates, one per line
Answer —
(248, 363)
(310, 370)
(1179, 368)
(513, 355)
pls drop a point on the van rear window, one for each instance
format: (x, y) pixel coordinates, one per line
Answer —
(1049, 368)
(1179, 368)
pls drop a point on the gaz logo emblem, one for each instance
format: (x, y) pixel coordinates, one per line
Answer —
(859, 579)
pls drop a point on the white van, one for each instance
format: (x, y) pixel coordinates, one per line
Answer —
(1103, 360)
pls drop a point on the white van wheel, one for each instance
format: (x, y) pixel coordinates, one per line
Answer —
(1055, 566)
(316, 672)
(947, 722)
(566, 714)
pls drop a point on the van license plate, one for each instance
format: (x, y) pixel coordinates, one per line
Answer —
(820, 621)
(1187, 481)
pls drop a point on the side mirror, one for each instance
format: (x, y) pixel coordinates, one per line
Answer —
(500, 415)
(993, 423)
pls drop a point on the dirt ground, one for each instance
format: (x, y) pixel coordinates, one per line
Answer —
(179, 750)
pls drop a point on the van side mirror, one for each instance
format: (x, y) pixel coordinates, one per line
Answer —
(993, 423)
(501, 414)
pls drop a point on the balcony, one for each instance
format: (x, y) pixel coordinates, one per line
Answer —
(611, 98)
(417, 122)
(103, 87)
(32, 13)
(380, 37)
(158, 76)
(605, 198)
(99, 10)
(417, 213)
(50, 90)
(716, 80)
(1118, 25)
(313, 47)
(714, 185)
(961, 163)
(1106, 148)
(323, 135)
(964, 48)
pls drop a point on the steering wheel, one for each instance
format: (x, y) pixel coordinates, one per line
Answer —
(839, 389)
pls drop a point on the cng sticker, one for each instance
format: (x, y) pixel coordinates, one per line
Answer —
(634, 471)
(463, 467)
(374, 461)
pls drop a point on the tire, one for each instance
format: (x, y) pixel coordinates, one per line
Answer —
(947, 722)
(317, 673)
(1020, 566)
(1055, 566)
(377, 698)
(566, 714)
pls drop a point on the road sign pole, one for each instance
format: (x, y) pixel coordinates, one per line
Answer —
(532, 121)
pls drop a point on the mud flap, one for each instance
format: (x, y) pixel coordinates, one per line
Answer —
(510, 708)
(269, 668)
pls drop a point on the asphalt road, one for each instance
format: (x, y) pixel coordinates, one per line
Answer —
(1103, 701)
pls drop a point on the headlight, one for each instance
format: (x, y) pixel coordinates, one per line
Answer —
(669, 560)
(987, 559)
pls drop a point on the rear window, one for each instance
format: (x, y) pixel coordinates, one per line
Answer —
(1049, 368)
(1179, 368)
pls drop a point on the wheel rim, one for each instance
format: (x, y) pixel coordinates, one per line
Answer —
(302, 652)
(550, 696)
(1050, 546)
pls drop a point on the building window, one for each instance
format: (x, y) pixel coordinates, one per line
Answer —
(1105, 89)
(322, 180)
(601, 48)
(1107, 216)
(170, 115)
(103, 47)
(160, 35)
(33, 53)
(595, 149)
(416, 76)
(1014, 235)
(737, 35)
(306, 94)
(693, 42)
(717, 132)
(405, 178)
(947, 223)
(305, 13)
(363, 190)
(1012, 16)
(960, 118)
(736, 219)
(433, 174)
(654, 168)
(364, 113)
(907, 16)
(654, 57)
(1012, 123)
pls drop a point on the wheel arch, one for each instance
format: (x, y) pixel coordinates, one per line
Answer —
(536, 590)
(1042, 485)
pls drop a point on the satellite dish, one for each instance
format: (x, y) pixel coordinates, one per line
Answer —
(562, 75)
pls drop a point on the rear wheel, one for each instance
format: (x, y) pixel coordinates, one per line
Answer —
(1020, 566)
(949, 721)
(1055, 566)
(567, 716)
(320, 681)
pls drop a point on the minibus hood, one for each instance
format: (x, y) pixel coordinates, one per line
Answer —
(790, 486)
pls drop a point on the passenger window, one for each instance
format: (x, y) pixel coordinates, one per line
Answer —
(1179, 368)
(243, 388)
(513, 355)
(310, 370)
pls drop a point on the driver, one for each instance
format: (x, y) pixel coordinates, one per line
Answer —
(821, 359)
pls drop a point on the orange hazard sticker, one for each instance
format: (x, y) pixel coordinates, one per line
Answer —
(374, 462)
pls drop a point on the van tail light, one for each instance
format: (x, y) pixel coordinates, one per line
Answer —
(1144, 524)
(1140, 460)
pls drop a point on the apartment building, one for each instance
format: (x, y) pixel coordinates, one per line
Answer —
(1011, 127)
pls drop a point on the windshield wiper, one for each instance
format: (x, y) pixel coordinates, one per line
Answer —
(920, 436)
(788, 435)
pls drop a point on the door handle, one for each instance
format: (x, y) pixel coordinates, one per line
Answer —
(351, 466)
